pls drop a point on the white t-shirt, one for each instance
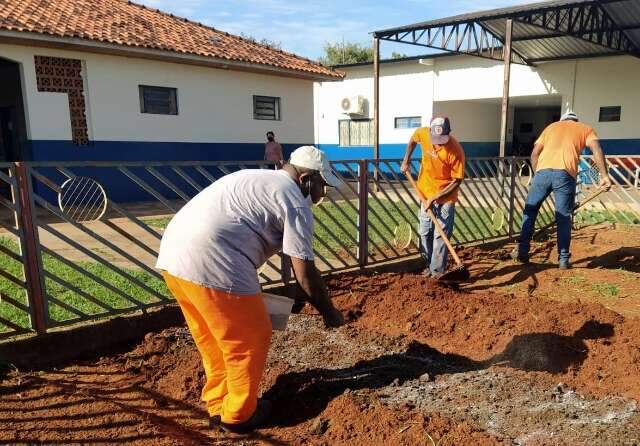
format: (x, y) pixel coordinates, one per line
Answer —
(220, 237)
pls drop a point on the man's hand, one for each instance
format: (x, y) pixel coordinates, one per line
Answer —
(605, 182)
(333, 319)
(404, 167)
(427, 204)
(313, 286)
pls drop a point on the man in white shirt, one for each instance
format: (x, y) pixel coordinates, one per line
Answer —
(209, 255)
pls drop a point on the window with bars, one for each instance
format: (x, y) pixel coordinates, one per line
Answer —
(610, 114)
(266, 108)
(158, 100)
(356, 132)
(407, 122)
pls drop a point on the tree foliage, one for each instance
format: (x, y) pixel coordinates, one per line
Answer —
(266, 42)
(345, 53)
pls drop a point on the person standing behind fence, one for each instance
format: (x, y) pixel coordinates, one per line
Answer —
(555, 159)
(441, 173)
(209, 255)
(273, 150)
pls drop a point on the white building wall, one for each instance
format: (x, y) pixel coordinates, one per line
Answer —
(609, 82)
(214, 105)
(405, 90)
(469, 89)
(468, 77)
(472, 121)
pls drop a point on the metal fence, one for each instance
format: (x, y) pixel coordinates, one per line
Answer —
(78, 241)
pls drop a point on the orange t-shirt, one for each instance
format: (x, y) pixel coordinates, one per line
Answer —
(562, 142)
(440, 165)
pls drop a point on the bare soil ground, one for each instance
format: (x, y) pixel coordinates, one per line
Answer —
(497, 362)
(606, 269)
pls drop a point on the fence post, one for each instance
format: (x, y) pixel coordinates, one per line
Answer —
(512, 195)
(29, 244)
(285, 274)
(363, 220)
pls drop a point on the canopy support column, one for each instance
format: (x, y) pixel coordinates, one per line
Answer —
(376, 110)
(504, 127)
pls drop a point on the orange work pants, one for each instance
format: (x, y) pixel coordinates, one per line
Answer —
(232, 333)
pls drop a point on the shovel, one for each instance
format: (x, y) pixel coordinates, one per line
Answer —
(458, 274)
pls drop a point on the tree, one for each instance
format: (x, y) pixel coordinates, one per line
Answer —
(345, 53)
(395, 55)
(266, 42)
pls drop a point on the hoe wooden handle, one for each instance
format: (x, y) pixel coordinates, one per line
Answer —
(433, 218)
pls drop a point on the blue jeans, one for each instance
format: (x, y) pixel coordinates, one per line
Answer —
(434, 250)
(563, 187)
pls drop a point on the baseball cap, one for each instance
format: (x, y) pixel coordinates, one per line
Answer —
(440, 129)
(315, 159)
(569, 115)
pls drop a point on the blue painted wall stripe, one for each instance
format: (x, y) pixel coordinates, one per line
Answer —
(41, 150)
(121, 189)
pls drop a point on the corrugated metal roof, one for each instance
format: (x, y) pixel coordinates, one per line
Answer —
(626, 15)
(535, 39)
(483, 15)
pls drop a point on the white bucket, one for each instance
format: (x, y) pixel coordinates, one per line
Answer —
(279, 308)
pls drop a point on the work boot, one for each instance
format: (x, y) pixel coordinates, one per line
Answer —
(262, 413)
(515, 255)
(564, 264)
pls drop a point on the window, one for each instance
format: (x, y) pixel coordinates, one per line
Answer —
(158, 100)
(410, 122)
(356, 132)
(610, 114)
(266, 108)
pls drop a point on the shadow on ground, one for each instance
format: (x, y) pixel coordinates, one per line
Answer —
(301, 396)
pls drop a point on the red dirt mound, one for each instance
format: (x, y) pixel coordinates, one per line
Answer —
(586, 345)
(330, 387)
(364, 423)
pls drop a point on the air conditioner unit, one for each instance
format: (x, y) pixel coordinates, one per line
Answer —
(353, 105)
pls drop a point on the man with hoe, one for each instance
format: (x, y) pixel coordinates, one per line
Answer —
(555, 158)
(441, 173)
(209, 255)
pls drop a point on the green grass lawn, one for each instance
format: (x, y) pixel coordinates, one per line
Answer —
(589, 217)
(100, 292)
(336, 226)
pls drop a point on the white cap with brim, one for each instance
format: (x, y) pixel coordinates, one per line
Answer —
(569, 115)
(313, 158)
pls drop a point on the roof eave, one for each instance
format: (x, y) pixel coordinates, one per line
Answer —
(94, 46)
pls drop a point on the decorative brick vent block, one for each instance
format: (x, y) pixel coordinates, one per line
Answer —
(59, 75)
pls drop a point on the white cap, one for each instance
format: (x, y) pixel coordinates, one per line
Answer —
(315, 159)
(569, 115)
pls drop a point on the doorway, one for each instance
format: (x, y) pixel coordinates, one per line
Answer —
(529, 122)
(13, 129)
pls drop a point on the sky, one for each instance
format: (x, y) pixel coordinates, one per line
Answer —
(303, 26)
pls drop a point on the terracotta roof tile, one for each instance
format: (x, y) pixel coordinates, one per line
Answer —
(125, 23)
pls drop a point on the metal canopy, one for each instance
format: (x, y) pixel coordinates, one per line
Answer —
(545, 31)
